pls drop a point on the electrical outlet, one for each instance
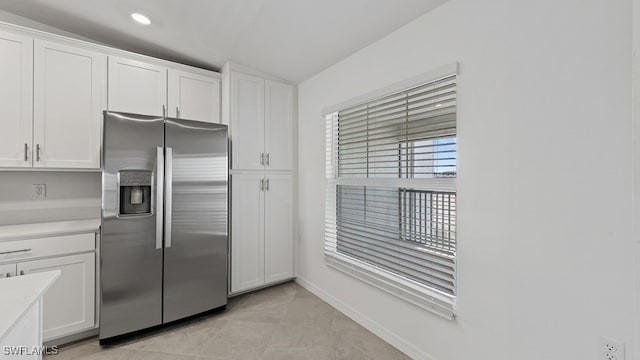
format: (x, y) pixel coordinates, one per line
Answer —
(610, 349)
(38, 191)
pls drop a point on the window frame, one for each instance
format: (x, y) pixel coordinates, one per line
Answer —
(409, 290)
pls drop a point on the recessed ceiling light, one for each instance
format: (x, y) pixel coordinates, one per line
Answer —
(141, 19)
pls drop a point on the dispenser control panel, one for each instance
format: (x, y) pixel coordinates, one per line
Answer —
(135, 178)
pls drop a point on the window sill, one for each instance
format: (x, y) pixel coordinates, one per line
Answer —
(422, 297)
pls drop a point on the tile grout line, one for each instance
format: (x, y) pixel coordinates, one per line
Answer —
(278, 325)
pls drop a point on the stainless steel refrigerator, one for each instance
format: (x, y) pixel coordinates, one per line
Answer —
(164, 221)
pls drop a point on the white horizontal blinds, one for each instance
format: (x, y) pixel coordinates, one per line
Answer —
(410, 134)
(407, 229)
(330, 185)
(375, 226)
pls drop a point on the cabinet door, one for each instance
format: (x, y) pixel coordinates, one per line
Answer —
(137, 87)
(8, 270)
(278, 228)
(194, 97)
(278, 125)
(247, 236)
(247, 122)
(69, 96)
(69, 305)
(16, 92)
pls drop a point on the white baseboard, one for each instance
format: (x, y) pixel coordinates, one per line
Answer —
(384, 333)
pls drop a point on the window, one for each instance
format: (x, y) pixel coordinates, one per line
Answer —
(391, 192)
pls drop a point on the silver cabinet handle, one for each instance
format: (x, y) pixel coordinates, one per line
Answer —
(261, 184)
(37, 152)
(268, 159)
(169, 198)
(267, 187)
(159, 195)
(164, 111)
(261, 158)
(14, 251)
(177, 112)
(26, 152)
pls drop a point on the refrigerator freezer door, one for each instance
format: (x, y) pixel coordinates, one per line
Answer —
(195, 263)
(131, 258)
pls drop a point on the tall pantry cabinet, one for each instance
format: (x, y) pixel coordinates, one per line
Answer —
(259, 111)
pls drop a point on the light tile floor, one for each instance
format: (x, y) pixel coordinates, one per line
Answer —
(278, 323)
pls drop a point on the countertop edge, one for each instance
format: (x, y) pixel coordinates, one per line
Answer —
(41, 283)
(38, 230)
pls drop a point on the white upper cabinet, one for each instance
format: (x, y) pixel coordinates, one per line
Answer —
(278, 125)
(16, 92)
(137, 87)
(261, 123)
(194, 97)
(247, 124)
(54, 91)
(69, 96)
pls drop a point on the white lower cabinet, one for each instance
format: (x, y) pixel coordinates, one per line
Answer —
(69, 305)
(261, 230)
(278, 228)
(247, 235)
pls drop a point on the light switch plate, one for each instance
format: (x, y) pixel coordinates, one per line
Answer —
(38, 191)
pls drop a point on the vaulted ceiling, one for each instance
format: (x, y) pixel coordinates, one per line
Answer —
(291, 39)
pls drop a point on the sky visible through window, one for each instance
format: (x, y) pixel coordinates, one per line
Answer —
(445, 156)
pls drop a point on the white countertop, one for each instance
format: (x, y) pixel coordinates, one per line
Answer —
(19, 293)
(24, 231)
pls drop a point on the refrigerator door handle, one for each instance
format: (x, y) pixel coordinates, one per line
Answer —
(168, 200)
(159, 195)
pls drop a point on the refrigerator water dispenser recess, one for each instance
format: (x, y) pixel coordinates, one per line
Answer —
(135, 192)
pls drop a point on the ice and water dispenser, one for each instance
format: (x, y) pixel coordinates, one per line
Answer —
(135, 192)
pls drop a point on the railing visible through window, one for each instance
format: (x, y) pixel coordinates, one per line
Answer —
(428, 218)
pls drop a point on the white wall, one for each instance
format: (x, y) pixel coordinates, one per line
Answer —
(69, 196)
(545, 258)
